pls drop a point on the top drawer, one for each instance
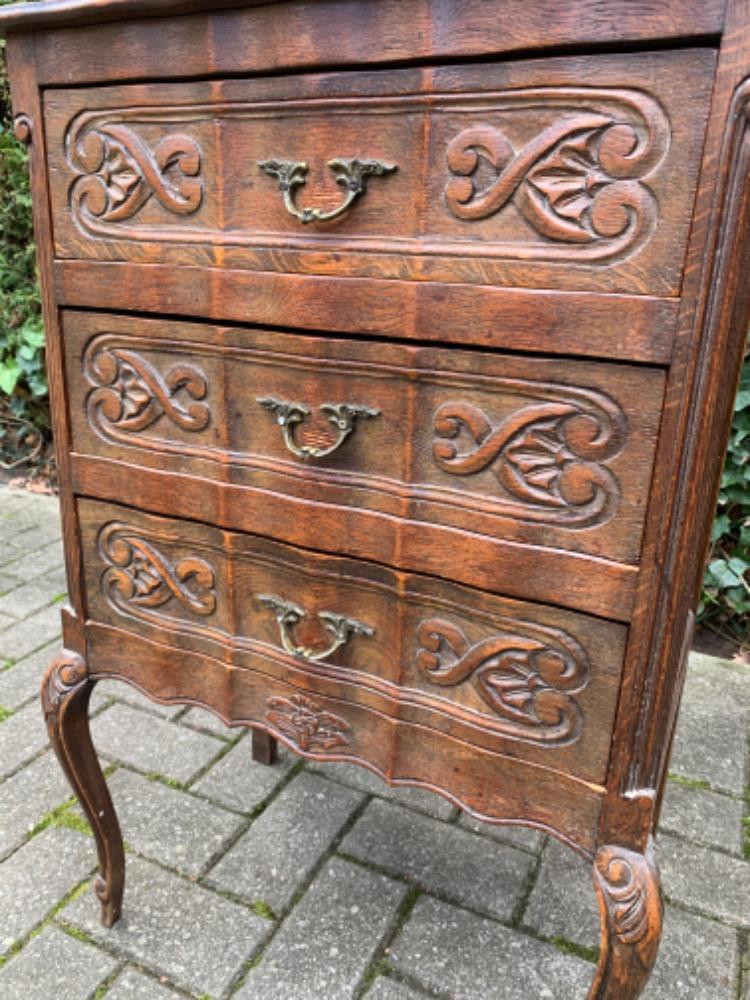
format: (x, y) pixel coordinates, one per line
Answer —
(575, 173)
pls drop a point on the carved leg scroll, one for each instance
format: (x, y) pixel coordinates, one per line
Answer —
(66, 690)
(265, 747)
(628, 889)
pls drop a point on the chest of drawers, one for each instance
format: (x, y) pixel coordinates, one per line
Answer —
(392, 347)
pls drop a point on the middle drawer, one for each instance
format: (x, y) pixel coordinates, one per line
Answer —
(380, 451)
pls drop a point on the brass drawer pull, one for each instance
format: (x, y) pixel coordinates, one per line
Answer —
(340, 628)
(350, 174)
(341, 415)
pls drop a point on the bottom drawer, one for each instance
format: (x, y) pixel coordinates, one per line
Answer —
(487, 785)
(531, 681)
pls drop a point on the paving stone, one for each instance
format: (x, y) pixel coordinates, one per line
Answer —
(703, 816)
(388, 989)
(22, 736)
(465, 957)
(523, 837)
(444, 859)
(369, 782)
(8, 581)
(314, 957)
(201, 718)
(696, 960)
(279, 851)
(238, 782)
(37, 877)
(151, 744)
(179, 830)
(29, 564)
(109, 689)
(55, 965)
(26, 636)
(710, 739)
(706, 880)
(22, 682)
(194, 936)
(27, 797)
(563, 901)
(33, 595)
(134, 985)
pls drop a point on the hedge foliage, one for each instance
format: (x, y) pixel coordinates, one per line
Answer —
(23, 393)
(23, 384)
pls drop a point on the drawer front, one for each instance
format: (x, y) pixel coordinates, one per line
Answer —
(532, 681)
(545, 453)
(574, 173)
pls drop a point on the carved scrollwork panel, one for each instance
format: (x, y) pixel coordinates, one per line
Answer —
(306, 724)
(526, 675)
(118, 172)
(140, 578)
(549, 458)
(129, 394)
(579, 183)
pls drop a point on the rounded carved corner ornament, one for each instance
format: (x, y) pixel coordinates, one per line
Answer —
(64, 674)
(22, 128)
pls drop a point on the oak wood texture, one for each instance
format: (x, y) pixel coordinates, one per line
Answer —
(413, 756)
(576, 216)
(537, 682)
(506, 318)
(326, 32)
(66, 691)
(539, 452)
(134, 179)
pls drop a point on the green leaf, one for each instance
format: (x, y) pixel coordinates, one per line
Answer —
(9, 375)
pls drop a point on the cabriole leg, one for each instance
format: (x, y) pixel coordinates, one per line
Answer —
(629, 894)
(66, 690)
(265, 747)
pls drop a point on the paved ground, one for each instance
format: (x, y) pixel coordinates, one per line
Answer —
(317, 883)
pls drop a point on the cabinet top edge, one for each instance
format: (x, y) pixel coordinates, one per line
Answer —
(32, 16)
(600, 20)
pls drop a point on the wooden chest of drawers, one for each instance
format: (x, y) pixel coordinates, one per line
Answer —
(392, 347)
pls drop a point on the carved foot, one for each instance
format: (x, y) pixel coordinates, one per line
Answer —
(265, 747)
(66, 690)
(628, 889)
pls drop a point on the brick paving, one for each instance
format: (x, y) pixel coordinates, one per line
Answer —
(317, 882)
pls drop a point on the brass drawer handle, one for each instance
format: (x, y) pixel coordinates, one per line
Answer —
(350, 174)
(340, 628)
(341, 415)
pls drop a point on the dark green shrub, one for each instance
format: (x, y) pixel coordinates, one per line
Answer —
(24, 412)
(725, 606)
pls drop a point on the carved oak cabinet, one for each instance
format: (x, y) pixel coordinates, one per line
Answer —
(392, 346)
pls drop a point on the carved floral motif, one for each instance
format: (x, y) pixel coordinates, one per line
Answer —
(139, 576)
(304, 722)
(130, 394)
(526, 675)
(580, 181)
(118, 173)
(549, 457)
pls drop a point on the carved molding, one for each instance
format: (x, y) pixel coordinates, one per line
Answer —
(548, 457)
(628, 887)
(66, 672)
(22, 129)
(527, 675)
(130, 394)
(578, 183)
(118, 173)
(140, 578)
(306, 724)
